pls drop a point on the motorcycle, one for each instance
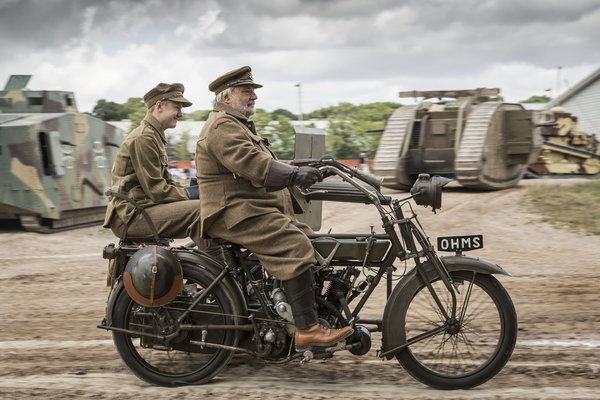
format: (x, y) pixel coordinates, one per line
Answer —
(448, 321)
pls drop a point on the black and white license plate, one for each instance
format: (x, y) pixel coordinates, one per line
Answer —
(460, 243)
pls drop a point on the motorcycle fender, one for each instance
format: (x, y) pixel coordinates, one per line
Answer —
(112, 299)
(204, 261)
(397, 303)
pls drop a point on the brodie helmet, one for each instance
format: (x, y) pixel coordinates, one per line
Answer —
(153, 276)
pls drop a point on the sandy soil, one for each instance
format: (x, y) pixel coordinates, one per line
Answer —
(52, 296)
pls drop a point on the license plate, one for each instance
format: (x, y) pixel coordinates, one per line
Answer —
(460, 243)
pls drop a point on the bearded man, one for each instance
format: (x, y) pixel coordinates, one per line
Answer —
(245, 199)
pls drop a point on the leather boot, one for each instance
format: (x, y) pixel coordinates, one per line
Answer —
(319, 336)
(309, 333)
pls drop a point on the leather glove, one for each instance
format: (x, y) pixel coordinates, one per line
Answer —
(306, 176)
(193, 192)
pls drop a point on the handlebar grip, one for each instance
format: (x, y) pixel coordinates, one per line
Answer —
(371, 179)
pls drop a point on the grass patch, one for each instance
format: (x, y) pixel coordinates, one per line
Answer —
(576, 207)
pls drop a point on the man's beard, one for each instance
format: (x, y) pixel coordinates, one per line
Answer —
(245, 108)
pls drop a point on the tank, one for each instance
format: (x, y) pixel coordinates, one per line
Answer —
(55, 161)
(565, 149)
(472, 136)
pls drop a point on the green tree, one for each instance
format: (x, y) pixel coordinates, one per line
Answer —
(180, 150)
(133, 109)
(363, 125)
(198, 115)
(261, 120)
(280, 112)
(284, 132)
(109, 111)
(278, 131)
(342, 141)
(136, 110)
(136, 118)
(536, 99)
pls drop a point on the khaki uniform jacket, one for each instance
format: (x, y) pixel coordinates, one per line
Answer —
(141, 172)
(232, 161)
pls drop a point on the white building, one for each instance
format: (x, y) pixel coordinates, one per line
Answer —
(583, 102)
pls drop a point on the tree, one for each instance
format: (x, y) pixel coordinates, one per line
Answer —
(261, 120)
(134, 104)
(342, 140)
(133, 109)
(354, 129)
(284, 132)
(136, 118)
(109, 111)
(199, 115)
(278, 131)
(537, 99)
(180, 150)
(280, 112)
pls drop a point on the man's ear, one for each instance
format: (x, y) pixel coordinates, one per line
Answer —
(225, 98)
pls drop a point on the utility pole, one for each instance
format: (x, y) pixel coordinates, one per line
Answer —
(299, 86)
(558, 86)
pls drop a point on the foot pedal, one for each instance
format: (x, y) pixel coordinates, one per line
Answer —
(307, 356)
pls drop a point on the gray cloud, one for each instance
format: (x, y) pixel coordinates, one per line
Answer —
(340, 49)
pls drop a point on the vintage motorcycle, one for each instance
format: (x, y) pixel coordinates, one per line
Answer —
(448, 321)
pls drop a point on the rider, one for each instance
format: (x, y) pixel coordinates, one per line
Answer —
(245, 199)
(140, 172)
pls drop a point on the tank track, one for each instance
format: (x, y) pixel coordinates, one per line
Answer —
(391, 145)
(73, 219)
(469, 163)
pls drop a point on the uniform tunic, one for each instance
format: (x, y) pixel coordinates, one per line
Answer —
(232, 163)
(141, 172)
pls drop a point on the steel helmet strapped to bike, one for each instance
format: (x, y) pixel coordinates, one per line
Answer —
(153, 276)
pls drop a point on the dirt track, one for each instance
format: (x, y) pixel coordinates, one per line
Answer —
(52, 296)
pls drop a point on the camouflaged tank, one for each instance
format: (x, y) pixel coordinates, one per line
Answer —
(565, 150)
(472, 136)
(55, 161)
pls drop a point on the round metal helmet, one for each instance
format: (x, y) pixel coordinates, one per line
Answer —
(153, 276)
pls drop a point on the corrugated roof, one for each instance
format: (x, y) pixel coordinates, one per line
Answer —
(575, 89)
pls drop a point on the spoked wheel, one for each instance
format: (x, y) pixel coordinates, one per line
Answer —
(469, 349)
(177, 361)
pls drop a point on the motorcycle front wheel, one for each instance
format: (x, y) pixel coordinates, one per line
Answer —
(178, 361)
(468, 350)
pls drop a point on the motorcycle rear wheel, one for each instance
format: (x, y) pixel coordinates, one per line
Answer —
(178, 362)
(467, 353)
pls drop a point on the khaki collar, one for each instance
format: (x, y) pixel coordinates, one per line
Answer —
(231, 111)
(153, 122)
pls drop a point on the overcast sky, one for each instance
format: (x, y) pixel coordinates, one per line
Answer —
(339, 50)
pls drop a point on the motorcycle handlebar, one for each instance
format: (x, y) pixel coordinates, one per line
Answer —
(327, 160)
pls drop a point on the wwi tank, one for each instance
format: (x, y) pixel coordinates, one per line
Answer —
(565, 150)
(472, 136)
(55, 161)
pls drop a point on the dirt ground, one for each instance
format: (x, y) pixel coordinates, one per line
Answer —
(52, 297)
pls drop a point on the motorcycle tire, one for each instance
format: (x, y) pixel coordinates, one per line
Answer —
(470, 350)
(177, 362)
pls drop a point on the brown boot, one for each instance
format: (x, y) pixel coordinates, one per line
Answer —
(319, 336)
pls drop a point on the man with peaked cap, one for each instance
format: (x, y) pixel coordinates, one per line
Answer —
(140, 172)
(245, 199)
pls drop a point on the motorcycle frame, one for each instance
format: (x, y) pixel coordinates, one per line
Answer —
(408, 232)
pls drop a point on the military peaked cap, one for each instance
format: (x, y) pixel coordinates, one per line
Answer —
(237, 77)
(166, 91)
